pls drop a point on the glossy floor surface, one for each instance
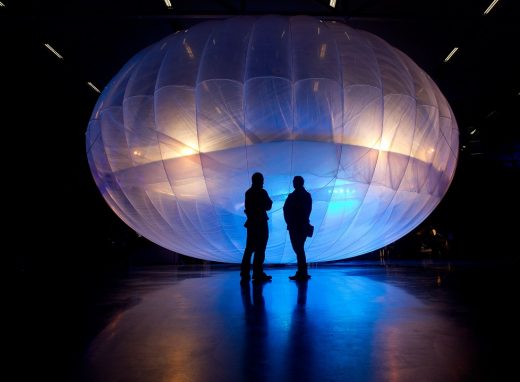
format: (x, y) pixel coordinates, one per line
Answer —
(350, 322)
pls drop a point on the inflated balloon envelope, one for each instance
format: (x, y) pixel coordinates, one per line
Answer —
(176, 135)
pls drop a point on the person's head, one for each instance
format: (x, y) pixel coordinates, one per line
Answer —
(257, 179)
(298, 181)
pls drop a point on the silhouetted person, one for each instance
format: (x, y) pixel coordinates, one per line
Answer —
(296, 211)
(256, 204)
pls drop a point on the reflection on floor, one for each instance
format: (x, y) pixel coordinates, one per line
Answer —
(354, 322)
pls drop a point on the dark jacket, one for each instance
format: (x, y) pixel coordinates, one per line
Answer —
(257, 203)
(297, 209)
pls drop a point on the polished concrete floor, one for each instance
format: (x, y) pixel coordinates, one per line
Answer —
(356, 322)
(350, 322)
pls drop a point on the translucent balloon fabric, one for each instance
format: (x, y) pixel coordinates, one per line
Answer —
(176, 135)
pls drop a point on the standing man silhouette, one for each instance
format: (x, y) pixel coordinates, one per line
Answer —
(256, 204)
(296, 211)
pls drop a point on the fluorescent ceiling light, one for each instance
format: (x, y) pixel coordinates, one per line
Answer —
(323, 50)
(451, 54)
(333, 3)
(53, 51)
(490, 7)
(168, 4)
(93, 87)
(189, 51)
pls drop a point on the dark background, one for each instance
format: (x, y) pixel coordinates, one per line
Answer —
(68, 248)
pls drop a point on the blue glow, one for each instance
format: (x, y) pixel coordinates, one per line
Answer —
(343, 206)
(345, 324)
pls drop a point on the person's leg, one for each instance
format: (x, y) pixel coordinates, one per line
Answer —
(261, 244)
(301, 258)
(246, 258)
(298, 242)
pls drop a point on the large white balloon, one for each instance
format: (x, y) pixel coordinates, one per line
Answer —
(175, 137)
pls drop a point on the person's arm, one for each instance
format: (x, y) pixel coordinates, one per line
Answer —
(268, 201)
(248, 208)
(287, 210)
(308, 206)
